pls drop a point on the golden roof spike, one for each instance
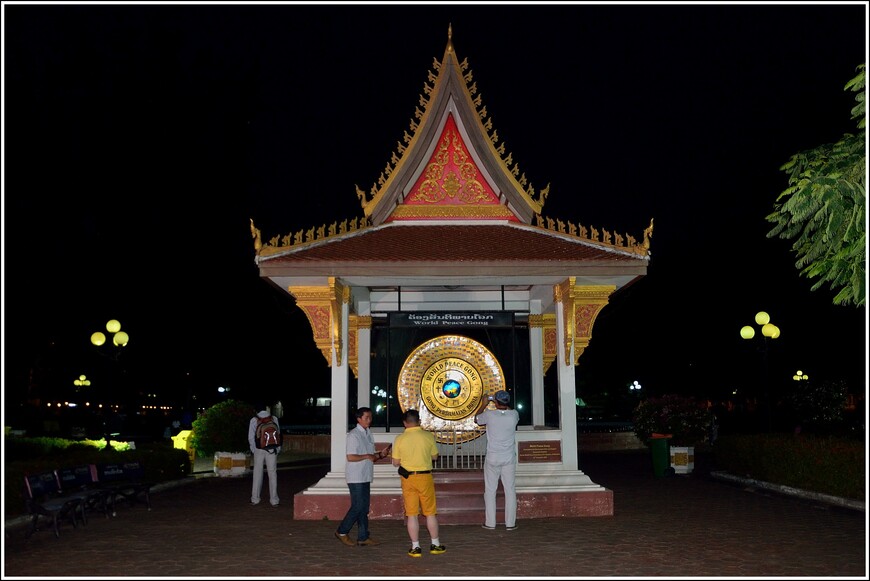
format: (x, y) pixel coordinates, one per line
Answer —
(449, 37)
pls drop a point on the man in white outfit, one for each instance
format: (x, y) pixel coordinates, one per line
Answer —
(262, 457)
(501, 457)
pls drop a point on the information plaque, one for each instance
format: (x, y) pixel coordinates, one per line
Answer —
(543, 451)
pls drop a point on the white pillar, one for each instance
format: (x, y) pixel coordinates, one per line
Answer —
(339, 410)
(567, 394)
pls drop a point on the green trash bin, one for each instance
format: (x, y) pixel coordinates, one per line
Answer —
(659, 445)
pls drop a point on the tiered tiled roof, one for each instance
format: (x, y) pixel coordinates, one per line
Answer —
(450, 194)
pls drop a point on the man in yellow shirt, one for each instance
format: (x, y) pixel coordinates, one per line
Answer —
(414, 450)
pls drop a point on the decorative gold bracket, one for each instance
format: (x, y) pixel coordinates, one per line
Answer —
(580, 307)
(548, 325)
(322, 305)
(354, 324)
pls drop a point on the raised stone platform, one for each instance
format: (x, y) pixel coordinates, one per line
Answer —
(460, 497)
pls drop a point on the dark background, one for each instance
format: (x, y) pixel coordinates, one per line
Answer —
(140, 140)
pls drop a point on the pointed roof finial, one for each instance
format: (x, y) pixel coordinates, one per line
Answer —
(449, 37)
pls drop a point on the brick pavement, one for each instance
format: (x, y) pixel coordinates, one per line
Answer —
(688, 525)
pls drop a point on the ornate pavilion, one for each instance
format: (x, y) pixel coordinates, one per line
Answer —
(450, 286)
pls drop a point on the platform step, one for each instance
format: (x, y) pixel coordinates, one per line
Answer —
(460, 497)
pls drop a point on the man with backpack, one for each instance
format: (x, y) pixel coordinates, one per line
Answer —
(264, 438)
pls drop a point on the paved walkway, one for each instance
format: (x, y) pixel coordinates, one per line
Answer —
(690, 525)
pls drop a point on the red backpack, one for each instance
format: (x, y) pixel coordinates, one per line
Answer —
(267, 435)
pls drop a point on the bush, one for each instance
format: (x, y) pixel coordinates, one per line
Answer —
(222, 428)
(823, 464)
(687, 420)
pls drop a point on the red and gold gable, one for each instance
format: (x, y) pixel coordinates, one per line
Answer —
(451, 186)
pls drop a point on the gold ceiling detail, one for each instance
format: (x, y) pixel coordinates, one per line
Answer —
(322, 305)
(354, 324)
(580, 307)
(452, 211)
(352, 345)
(547, 323)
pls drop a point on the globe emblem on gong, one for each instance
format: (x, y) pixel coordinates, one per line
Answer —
(451, 388)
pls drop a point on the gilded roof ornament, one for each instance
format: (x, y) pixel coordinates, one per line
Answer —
(647, 234)
(255, 234)
(448, 67)
(614, 239)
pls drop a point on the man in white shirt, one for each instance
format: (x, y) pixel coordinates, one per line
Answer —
(359, 473)
(501, 457)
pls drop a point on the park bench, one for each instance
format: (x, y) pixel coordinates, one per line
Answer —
(79, 481)
(44, 498)
(122, 480)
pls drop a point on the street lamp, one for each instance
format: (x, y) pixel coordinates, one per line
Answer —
(119, 337)
(768, 331)
(119, 340)
(800, 376)
(83, 381)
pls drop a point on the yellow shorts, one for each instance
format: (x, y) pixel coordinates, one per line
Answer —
(418, 491)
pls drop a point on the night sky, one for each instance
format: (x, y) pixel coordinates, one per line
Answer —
(140, 140)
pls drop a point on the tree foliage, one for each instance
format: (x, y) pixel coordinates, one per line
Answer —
(822, 210)
(819, 405)
(222, 428)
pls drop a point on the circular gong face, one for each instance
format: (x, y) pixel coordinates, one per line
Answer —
(445, 379)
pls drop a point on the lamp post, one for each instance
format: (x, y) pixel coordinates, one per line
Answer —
(800, 376)
(769, 331)
(119, 340)
(81, 382)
